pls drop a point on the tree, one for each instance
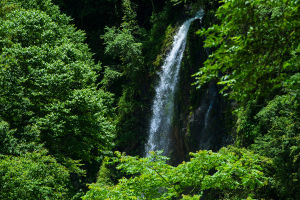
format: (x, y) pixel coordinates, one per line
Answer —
(48, 90)
(256, 48)
(278, 138)
(126, 76)
(231, 173)
(256, 62)
(33, 176)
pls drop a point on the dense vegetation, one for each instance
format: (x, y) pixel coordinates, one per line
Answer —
(49, 102)
(68, 99)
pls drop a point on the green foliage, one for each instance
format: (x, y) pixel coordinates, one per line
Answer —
(6, 6)
(256, 61)
(123, 45)
(273, 131)
(129, 15)
(110, 77)
(33, 176)
(7, 141)
(104, 175)
(280, 122)
(257, 45)
(231, 174)
(157, 44)
(11, 145)
(43, 5)
(47, 78)
(49, 100)
(92, 16)
(166, 45)
(80, 123)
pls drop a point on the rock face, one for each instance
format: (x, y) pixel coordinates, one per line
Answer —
(200, 115)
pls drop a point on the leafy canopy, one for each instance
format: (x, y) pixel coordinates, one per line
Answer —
(33, 176)
(257, 47)
(230, 173)
(48, 93)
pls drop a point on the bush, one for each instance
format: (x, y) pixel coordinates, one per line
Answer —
(33, 176)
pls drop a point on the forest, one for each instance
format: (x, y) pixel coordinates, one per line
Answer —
(149, 99)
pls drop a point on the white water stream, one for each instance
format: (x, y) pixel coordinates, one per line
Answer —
(163, 103)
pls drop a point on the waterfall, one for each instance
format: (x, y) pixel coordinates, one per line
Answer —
(163, 103)
(206, 117)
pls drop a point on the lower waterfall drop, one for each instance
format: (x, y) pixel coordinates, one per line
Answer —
(163, 103)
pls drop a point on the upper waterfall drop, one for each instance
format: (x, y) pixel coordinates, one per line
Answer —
(163, 103)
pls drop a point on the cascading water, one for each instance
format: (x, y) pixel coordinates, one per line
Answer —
(163, 104)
